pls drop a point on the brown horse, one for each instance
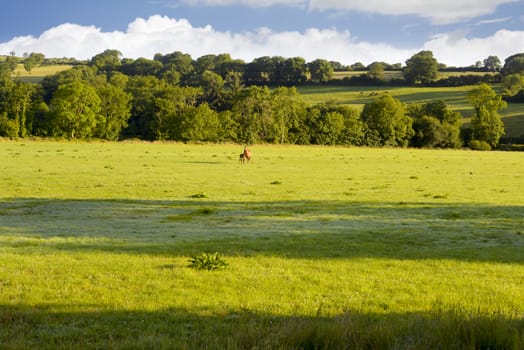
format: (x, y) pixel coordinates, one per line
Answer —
(246, 155)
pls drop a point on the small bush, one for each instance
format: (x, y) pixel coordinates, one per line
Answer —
(207, 261)
(479, 145)
(198, 195)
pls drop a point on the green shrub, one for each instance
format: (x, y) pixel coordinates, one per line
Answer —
(479, 145)
(207, 261)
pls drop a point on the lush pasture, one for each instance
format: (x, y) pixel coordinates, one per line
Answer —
(455, 98)
(38, 73)
(327, 247)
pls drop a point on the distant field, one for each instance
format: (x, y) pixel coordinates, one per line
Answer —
(328, 247)
(455, 97)
(38, 73)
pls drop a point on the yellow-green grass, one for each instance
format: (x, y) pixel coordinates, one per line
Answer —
(454, 97)
(327, 247)
(38, 73)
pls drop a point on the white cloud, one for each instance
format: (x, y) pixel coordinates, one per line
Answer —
(439, 12)
(160, 34)
(459, 50)
(251, 3)
(493, 21)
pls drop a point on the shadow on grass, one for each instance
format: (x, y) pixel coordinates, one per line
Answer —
(291, 229)
(52, 328)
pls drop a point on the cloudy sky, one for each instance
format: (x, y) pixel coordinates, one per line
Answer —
(459, 32)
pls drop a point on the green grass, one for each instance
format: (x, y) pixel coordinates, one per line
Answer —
(454, 97)
(325, 247)
(38, 73)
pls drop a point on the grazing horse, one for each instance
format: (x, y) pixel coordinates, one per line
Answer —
(246, 155)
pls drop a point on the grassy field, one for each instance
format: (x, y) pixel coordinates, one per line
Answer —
(38, 73)
(326, 247)
(455, 98)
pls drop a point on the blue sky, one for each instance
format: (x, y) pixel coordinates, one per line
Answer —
(459, 32)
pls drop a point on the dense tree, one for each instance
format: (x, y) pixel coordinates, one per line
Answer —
(51, 83)
(486, 124)
(252, 111)
(288, 109)
(337, 66)
(387, 117)
(292, 71)
(177, 68)
(492, 63)
(213, 87)
(15, 104)
(141, 66)
(435, 125)
(421, 68)
(175, 98)
(260, 71)
(376, 71)
(321, 71)
(107, 61)
(512, 84)
(513, 64)
(353, 132)
(115, 108)
(358, 66)
(200, 123)
(75, 110)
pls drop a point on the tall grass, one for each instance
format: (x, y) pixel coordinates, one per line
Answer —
(325, 247)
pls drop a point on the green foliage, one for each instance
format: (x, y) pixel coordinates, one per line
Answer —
(321, 71)
(492, 63)
(376, 71)
(486, 124)
(514, 64)
(16, 100)
(174, 97)
(107, 61)
(512, 84)
(207, 261)
(388, 117)
(200, 124)
(421, 68)
(115, 108)
(33, 60)
(75, 110)
(435, 125)
(8, 127)
(479, 145)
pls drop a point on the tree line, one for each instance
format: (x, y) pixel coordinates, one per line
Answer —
(218, 99)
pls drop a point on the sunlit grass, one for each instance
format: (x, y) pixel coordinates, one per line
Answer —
(38, 73)
(326, 247)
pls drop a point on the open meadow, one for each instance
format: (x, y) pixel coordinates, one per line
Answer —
(326, 247)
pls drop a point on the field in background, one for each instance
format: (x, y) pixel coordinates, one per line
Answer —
(38, 73)
(327, 247)
(454, 97)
